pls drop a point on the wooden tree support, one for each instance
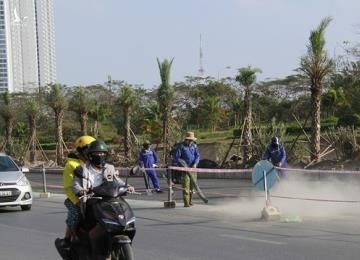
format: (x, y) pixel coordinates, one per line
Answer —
(37, 145)
(231, 146)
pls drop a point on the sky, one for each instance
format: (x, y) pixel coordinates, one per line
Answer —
(123, 38)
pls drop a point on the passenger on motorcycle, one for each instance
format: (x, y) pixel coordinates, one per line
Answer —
(71, 202)
(92, 174)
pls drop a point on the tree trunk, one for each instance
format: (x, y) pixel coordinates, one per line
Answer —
(127, 141)
(236, 119)
(247, 126)
(9, 149)
(354, 142)
(96, 129)
(59, 116)
(83, 122)
(315, 123)
(166, 134)
(32, 123)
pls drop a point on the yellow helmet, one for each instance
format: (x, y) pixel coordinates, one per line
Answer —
(83, 141)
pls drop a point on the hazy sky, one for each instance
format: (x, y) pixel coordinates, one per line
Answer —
(123, 38)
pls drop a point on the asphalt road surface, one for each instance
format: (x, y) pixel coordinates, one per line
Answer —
(200, 232)
(214, 189)
(228, 227)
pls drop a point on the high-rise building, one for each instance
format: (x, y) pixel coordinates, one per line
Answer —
(46, 41)
(27, 45)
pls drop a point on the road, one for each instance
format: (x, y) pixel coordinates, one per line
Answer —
(200, 232)
(229, 227)
(225, 188)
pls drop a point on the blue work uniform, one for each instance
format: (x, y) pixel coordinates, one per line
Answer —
(147, 159)
(190, 154)
(276, 154)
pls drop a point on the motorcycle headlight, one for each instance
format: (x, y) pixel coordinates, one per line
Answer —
(23, 182)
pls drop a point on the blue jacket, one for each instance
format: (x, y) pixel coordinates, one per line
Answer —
(147, 158)
(190, 154)
(275, 155)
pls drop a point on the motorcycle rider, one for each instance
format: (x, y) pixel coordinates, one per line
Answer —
(71, 202)
(92, 174)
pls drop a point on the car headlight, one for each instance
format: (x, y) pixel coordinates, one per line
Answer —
(23, 182)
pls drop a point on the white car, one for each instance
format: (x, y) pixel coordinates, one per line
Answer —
(15, 189)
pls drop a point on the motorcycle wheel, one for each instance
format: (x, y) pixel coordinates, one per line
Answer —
(73, 255)
(123, 252)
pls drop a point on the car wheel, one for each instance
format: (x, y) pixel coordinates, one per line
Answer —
(26, 207)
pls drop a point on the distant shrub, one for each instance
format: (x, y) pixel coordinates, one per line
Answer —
(349, 120)
(326, 123)
(237, 133)
(330, 121)
(48, 146)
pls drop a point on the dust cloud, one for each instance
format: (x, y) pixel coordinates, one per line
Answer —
(298, 195)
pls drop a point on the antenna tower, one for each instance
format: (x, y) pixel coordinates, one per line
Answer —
(201, 69)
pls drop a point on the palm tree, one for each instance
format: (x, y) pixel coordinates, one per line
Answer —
(101, 101)
(32, 111)
(236, 110)
(330, 101)
(8, 114)
(98, 113)
(81, 104)
(151, 123)
(316, 65)
(58, 102)
(246, 78)
(211, 111)
(166, 94)
(127, 101)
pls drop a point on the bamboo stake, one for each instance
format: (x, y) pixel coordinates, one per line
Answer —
(301, 128)
(296, 139)
(42, 151)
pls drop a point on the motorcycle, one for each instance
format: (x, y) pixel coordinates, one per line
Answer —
(108, 226)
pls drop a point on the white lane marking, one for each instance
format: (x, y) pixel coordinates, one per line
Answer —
(253, 239)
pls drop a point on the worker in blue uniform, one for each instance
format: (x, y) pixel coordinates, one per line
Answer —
(148, 159)
(276, 154)
(188, 152)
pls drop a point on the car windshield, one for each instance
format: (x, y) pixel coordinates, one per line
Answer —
(6, 164)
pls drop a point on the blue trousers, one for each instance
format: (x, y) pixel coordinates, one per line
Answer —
(151, 174)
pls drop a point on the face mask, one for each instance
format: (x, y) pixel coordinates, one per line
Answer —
(98, 160)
